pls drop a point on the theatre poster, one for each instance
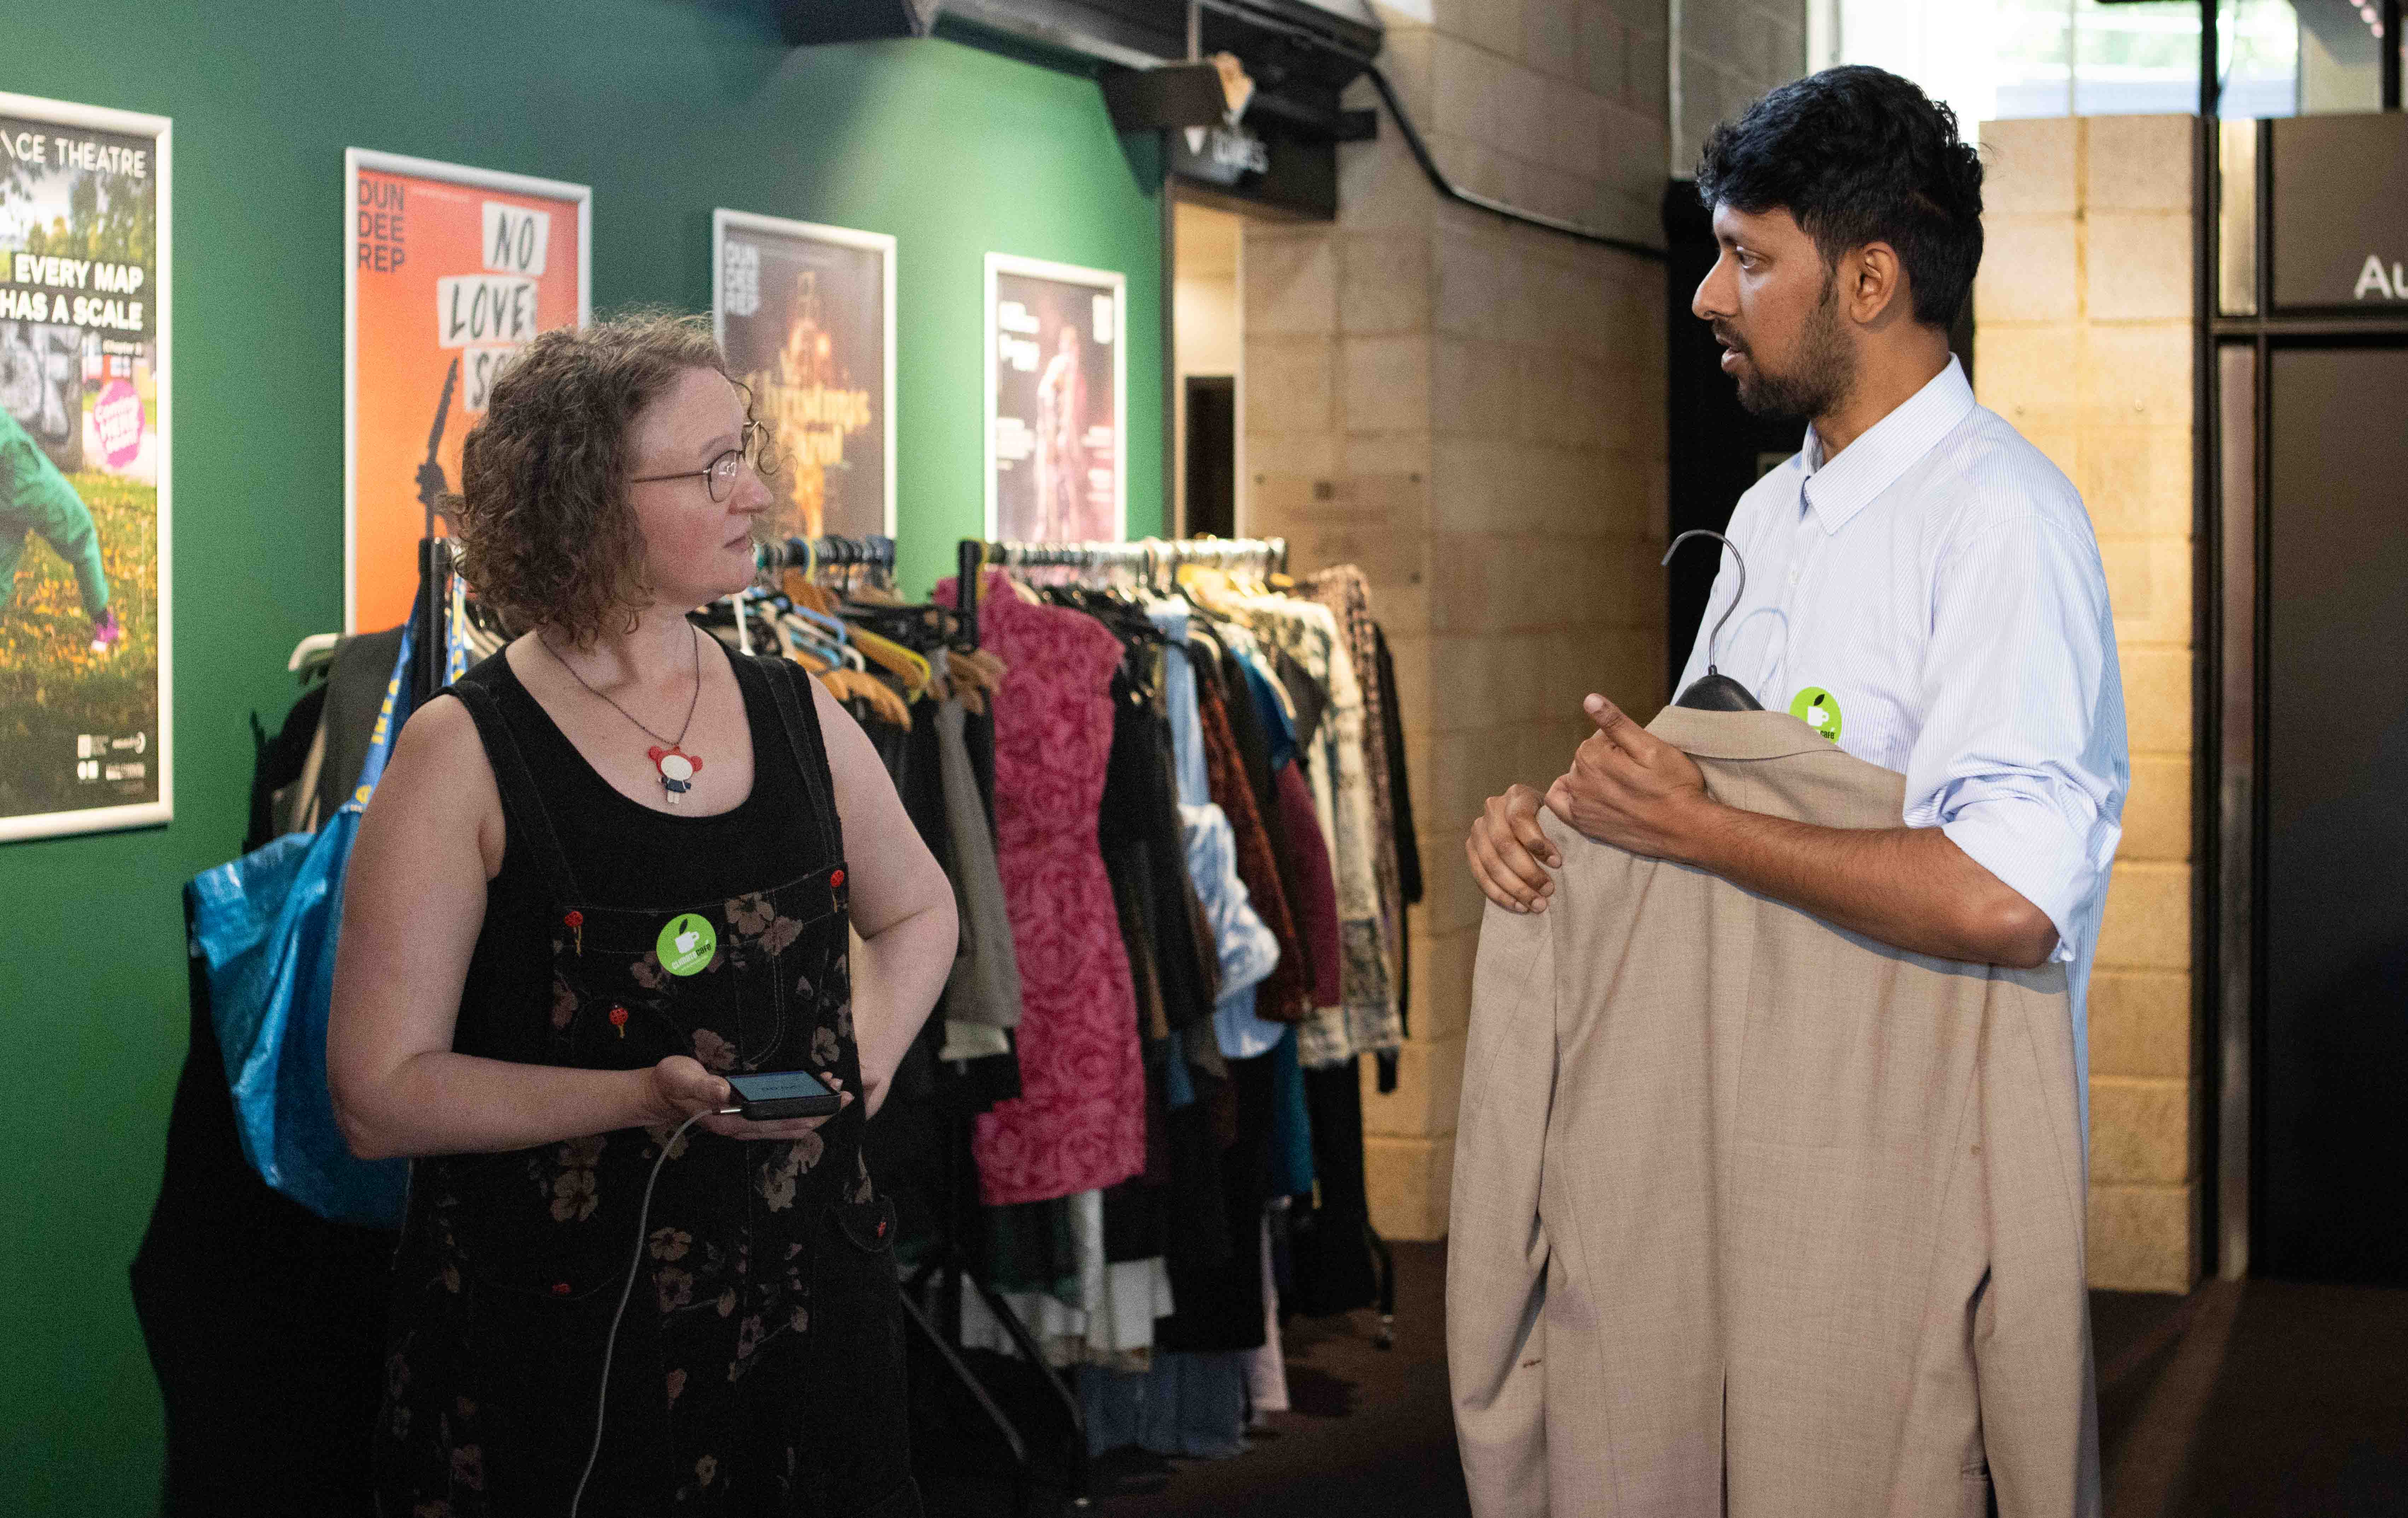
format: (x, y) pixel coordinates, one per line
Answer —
(806, 316)
(1057, 402)
(86, 742)
(448, 272)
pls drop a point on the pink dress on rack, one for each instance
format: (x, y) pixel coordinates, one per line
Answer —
(1079, 1123)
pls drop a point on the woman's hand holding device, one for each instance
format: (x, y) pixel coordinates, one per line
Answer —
(679, 1087)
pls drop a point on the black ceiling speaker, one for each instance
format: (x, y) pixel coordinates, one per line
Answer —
(1174, 94)
(807, 21)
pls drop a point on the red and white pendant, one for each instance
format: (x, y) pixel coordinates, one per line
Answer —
(678, 768)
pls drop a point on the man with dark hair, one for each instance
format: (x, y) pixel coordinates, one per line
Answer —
(1921, 587)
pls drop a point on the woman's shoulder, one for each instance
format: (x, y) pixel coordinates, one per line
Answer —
(440, 764)
(441, 732)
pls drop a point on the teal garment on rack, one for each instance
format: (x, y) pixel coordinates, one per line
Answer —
(1291, 1123)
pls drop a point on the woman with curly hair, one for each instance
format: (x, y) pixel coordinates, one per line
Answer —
(618, 868)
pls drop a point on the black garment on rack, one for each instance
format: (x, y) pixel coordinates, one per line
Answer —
(1170, 944)
(1200, 1233)
(278, 762)
(892, 743)
(906, 1141)
(1329, 1244)
(1141, 804)
(930, 1099)
(1408, 851)
(1140, 800)
(922, 786)
(1136, 1213)
(265, 1323)
(1307, 695)
(1029, 1247)
(1218, 1302)
(1246, 726)
(978, 736)
(1392, 722)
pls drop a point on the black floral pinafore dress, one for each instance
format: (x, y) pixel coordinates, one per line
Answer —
(758, 1368)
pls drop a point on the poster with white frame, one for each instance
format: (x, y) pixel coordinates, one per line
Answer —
(87, 738)
(447, 272)
(1056, 401)
(806, 316)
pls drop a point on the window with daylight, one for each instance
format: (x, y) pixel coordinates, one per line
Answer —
(1997, 59)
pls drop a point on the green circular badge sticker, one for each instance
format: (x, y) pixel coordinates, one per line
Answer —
(687, 944)
(1819, 710)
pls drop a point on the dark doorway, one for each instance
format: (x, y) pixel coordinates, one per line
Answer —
(2332, 1185)
(1718, 449)
(1211, 455)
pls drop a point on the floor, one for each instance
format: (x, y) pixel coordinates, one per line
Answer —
(2254, 1399)
(2248, 1400)
(1370, 1431)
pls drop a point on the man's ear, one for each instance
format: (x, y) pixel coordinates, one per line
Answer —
(1872, 284)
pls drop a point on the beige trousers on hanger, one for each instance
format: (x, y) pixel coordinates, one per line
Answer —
(1755, 1216)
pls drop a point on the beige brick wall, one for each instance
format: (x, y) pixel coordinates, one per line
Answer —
(2088, 273)
(1732, 51)
(1474, 411)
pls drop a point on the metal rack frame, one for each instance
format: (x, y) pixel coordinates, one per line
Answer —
(874, 552)
(1147, 555)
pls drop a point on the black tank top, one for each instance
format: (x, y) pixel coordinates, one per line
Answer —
(623, 854)
(739, 1297)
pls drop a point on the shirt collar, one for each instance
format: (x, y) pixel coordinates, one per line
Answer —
(1839, 489)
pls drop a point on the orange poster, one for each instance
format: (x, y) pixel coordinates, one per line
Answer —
(451, 271)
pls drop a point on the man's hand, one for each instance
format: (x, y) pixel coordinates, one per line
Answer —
(1509, 852)
(1629, 788)
(1909, 887)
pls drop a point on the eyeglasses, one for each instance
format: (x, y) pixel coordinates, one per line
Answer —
(719, 477)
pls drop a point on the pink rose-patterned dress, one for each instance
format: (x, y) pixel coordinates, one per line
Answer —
(1079, 1124)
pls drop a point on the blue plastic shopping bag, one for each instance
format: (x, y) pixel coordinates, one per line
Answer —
(265, 926)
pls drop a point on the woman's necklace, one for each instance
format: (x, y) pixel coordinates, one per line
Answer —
(677, 767)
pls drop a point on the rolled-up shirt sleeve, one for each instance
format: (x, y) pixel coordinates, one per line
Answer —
(2021, 759)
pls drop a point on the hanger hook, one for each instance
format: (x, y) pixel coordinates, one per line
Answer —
(1714, 639)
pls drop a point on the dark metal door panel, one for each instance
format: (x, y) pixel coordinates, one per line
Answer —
(2333, 1186)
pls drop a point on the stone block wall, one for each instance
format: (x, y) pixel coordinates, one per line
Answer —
(2083, 341)
(1732, 51)
(1474, 411)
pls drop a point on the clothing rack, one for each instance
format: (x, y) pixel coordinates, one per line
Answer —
(827, 551)
(948, 1263)
(1150, 556)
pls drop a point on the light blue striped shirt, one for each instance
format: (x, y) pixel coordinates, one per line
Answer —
(1938, 583)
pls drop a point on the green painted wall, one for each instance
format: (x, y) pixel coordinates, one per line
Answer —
(667, 109)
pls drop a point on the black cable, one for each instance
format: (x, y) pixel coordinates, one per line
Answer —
(1420, 150)
(1496, 208)
(635, 1269)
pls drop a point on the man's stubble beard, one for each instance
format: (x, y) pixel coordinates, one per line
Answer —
(1825, 371)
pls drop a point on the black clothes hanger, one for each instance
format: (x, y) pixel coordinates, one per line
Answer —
(1715, 691)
